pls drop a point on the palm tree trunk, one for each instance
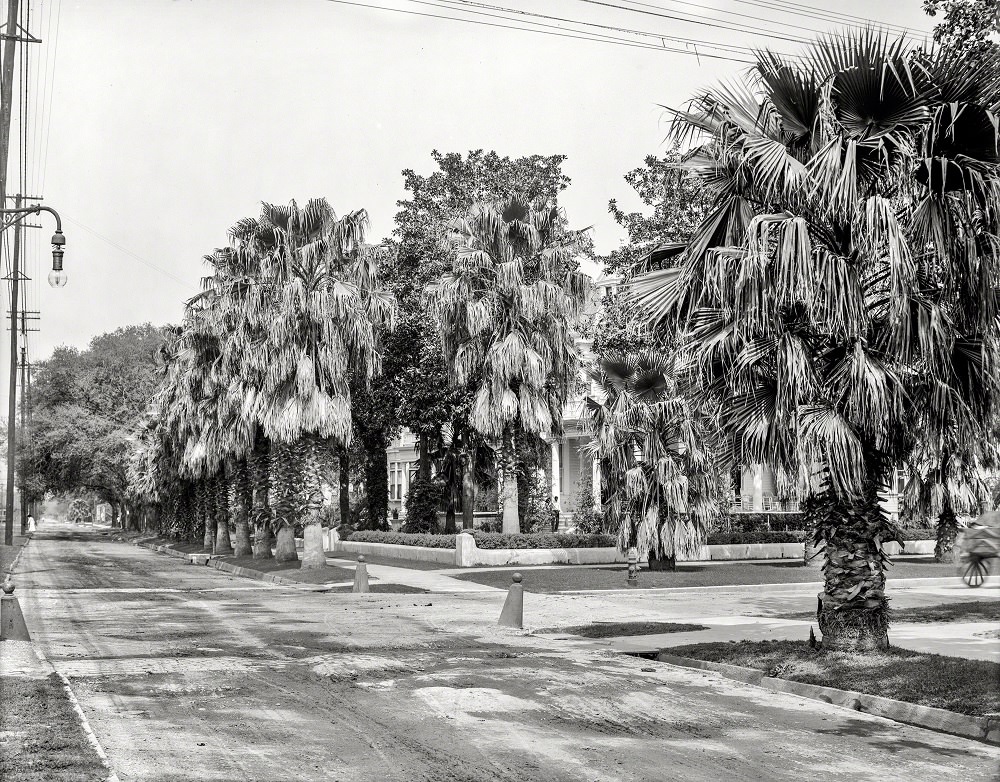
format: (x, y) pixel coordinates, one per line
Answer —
(220, 489)
(853, 613)
(468, 489)
(511, 520)
(947, 531)
(285, 545)
(260, 513)
(284, 488)
(242, 493)
(204, 514)
(313, 461)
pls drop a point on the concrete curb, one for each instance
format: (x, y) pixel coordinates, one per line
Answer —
(226, 567)
(985, 729)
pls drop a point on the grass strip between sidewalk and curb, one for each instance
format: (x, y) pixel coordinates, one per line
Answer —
(44, 736)
(10, 555)
(620, 629)
(946, 694)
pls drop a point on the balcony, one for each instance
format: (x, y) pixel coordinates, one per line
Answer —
(766, 504)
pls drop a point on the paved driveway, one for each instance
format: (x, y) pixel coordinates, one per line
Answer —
(187, 673)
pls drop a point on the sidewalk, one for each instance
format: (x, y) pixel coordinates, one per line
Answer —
(429, 580)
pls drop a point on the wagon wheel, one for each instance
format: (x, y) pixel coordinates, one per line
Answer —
(975, 572)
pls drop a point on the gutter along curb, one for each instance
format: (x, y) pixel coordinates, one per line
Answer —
(225, 567)
(985, 729)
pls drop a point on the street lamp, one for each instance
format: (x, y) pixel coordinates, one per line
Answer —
(57, 279)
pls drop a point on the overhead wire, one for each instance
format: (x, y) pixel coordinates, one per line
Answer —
(584, 37)
(734, 48)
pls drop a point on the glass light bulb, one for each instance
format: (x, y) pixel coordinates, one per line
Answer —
(58, 278)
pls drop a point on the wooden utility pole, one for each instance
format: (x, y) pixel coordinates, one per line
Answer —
(6, 106)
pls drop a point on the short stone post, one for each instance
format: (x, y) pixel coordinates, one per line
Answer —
(633, 567)
(512, 614)
(12, 626)
(361, 576)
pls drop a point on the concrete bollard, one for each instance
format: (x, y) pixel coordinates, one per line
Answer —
(633, 568)
(12, 626)
(512, 614)
(361, 576)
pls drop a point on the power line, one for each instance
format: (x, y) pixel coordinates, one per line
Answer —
(743, 50)
(127, 251)
(584, 37)
(852, 20)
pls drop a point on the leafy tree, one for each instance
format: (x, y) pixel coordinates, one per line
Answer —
(968, 26)
(428, 403)
(85, 405)
(507, 310)
(850, 261)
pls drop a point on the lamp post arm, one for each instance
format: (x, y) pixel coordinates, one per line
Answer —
(24, 211)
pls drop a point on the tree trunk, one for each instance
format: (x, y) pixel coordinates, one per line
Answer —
(377, 479)
(263, 541)
(114, 514)
(209, 544)
(285, 548)
(947, 531)
(223, 544)
(344, 459)
(511, 520)
(853, 612)
(468, 490)
(662, 563)
(241, 540)
(449, 514)
(313, 556)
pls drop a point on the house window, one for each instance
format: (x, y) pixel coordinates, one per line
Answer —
(396, 480)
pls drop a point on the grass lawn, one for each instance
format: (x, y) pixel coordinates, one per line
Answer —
(8, 553)
(40, 736)
(953, 683)
(372, 559)
(619, 629)
(569, 577)
(969, 611)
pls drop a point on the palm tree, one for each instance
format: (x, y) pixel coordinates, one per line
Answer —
(851, 256)
(317, 308)
(656, 451)
(507, 311)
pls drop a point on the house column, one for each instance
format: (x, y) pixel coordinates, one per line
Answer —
(758, 487)
(596, 478)
(556, 447)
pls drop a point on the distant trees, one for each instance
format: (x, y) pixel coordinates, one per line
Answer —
(84, 408)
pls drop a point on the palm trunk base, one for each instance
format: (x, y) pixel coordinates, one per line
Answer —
(853, 630)
(313, 556)
(209, 540)
(223, 545)
(241, 541)
(285, 545)
(662, 563)
(262, 541)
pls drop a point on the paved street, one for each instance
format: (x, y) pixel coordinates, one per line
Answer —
(186, 673)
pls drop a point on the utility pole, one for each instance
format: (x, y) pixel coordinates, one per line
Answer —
(6, 106)
(12, 385)
(24, 425)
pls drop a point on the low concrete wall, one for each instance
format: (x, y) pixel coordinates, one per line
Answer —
(467, 554)
(750, 551)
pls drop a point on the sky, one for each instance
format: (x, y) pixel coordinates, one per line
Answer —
(155, 125)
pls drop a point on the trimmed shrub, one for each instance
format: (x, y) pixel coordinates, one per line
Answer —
(737, 538)
(403, 539)
(422, 501)
(918, 534)
(496, 540)
(762, 522)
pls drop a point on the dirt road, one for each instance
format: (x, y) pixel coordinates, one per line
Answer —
(189, 674)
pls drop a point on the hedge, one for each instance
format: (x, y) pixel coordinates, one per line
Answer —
(402, 538)
(737, 538)
(487, 540)
(762, 522)
(495, 540)
(918, 534)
